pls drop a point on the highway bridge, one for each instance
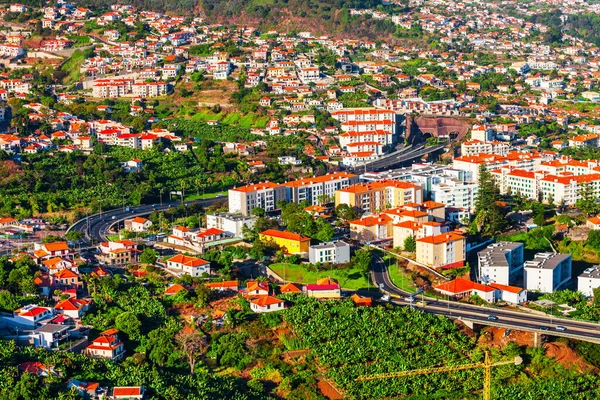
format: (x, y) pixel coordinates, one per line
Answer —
(398, 158)
(472, 315)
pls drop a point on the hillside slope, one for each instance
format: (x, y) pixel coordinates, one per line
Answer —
(317, 16)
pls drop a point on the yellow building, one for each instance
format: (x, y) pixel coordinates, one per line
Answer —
(444, 250)
(379, 196)
(371, 228)
(289, 242)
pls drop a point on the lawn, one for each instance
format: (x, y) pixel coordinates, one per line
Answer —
(401, 278)
(204, 195)
(113, 238)
(349, 278)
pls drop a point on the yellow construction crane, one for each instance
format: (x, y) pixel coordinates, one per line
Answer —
(487, 365)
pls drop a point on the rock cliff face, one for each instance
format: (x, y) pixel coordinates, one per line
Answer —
(420, 128)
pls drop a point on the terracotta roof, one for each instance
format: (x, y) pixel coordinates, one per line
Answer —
(56, 246)
(174, 289)
(33, 312)
(442, 238)
(127, 391)
(266, 301)
(506, 288)
(224, 284)
(460, 285)
(361, 301)
(284, 235)
(188, 261)
(290, 288)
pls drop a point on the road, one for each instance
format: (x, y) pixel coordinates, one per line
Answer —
(398, 157)
(95, 226)
(579, 330)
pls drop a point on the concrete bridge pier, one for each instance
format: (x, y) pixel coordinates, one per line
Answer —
(537, 339)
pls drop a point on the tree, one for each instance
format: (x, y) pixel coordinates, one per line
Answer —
(74, 235)
(193, 344)
(129, 323)
(325, 232)
(410, 244)
(362, 261)
(149, 256)
(345, 212)
(8, 301)
(488, 215)
(587, 199)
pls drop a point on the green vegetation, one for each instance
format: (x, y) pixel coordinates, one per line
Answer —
(400, 278)
(79, 41)
(346, 341)
(69, 71)
(348, 278)
(489, 219)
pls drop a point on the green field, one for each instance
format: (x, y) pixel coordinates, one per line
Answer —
(401, 278)
(112, 238)
(349, 278)
(205, 195)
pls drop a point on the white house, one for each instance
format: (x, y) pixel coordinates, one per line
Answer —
(231, 224)
(50, 335)
(192, 266)
(266, 304)
(138, 224)
(330, 252)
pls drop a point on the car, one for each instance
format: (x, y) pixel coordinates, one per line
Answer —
(114, 217)
(507, 332)
(385, 297)
(560, 328)
(544, 328)
(492, 318)
(219, 195)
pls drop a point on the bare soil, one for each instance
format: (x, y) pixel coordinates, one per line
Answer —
(328, 390)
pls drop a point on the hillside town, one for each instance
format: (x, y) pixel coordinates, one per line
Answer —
(165, 181)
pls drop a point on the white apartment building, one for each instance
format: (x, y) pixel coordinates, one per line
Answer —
(232, 224)
(264, 195)
(111, 88)
(330, 252)
(319, 189)
(501, 263)
(366, 119)
(476, 147)
(589, 280)
(382, 137)
(567, 188)
(548, 272)
(149, 89)
(454, 193)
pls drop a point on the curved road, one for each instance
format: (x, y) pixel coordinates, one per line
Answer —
(95, 226)
(580, 330)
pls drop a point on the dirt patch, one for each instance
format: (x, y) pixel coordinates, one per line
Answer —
(566, 356)
(328, 390)
(497, 337)
(188, 310)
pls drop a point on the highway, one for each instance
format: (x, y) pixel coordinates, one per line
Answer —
(399, 157)
(516, 320)
(95, 226)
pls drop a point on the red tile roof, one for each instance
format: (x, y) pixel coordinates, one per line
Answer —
(284, 235)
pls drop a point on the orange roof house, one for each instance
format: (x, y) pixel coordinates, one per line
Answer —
(266, 304)
(361, 301)
(290, 288)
